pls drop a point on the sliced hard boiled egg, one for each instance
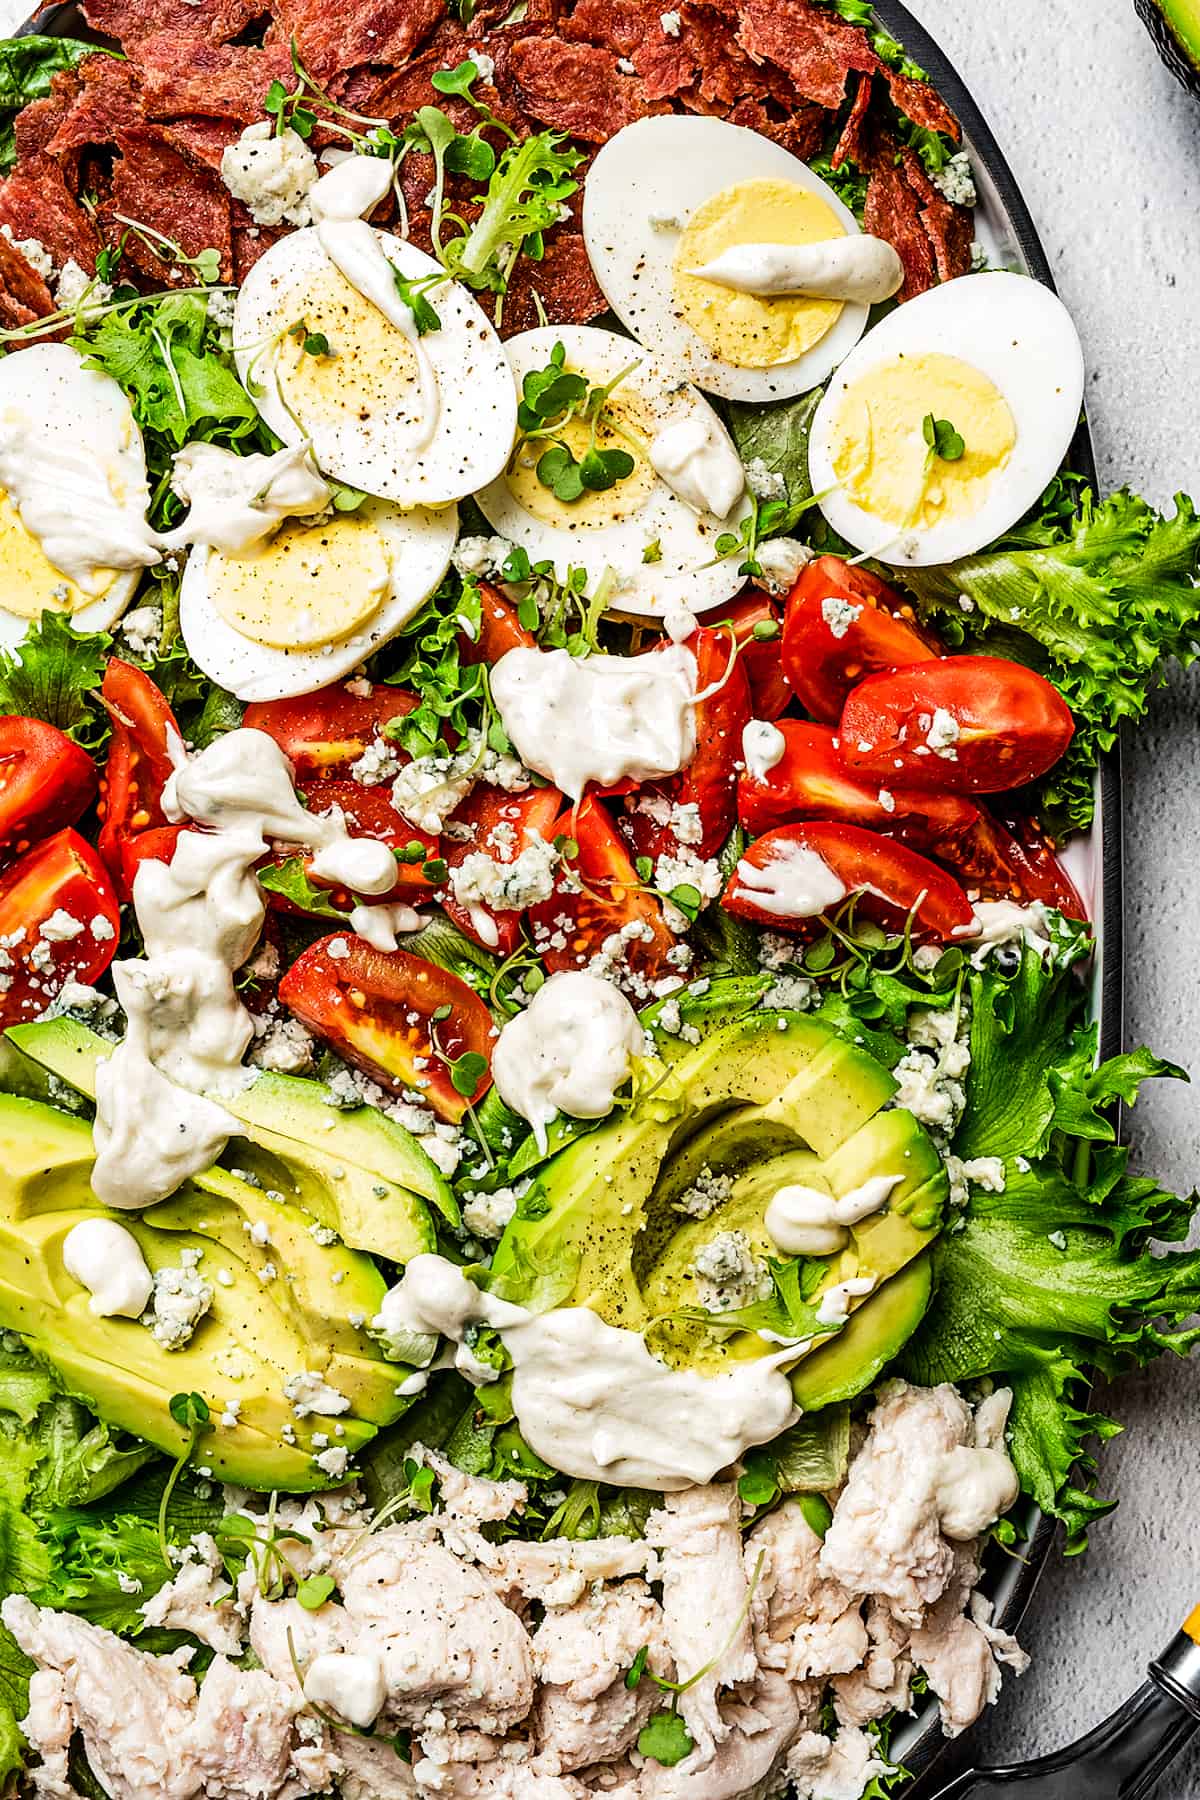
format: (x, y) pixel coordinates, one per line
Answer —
(657, 547)
(671, 195)
(946, 423)
(420, 420)
(73, 493)
(307, 607)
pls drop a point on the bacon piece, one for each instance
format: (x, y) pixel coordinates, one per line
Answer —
(24, 296)
(563, 281)
(333, 37)
(578, 88)
(132, 20)
(191, 75)
(155, 184)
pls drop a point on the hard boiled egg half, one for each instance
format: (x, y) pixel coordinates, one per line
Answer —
(308, 605)
(946, 423)
(671, 194)
(421, 420)
(658, 551)
(73, 460)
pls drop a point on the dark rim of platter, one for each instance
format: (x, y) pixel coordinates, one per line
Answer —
(1009, 1580)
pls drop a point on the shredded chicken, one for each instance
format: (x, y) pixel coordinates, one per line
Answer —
(514, 1670)
(706, 1601)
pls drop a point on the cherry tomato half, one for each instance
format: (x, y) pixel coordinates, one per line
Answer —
(59, 922)
(972, 724)
(377, 1008)
(501, 826)
(323, 733)
(368, 813)
(761, 658)
(573, 925)
(46, 781)
(810, 781)
(500, 630)
(826, 648)
(157, 845)
(709, 782)
(139, 761)
(892, 879)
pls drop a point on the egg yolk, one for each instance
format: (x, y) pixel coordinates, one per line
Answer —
(625, 424)
(753, 331)
(880, 453)
(370, 372)
(29, 583)
(310, 585)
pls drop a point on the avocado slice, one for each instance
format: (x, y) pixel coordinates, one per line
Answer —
(763, 1101)
(259, 1332)
(356, 1170)
(876, 1332)
(1175, 27)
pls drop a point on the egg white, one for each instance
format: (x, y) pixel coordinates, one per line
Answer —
(420, 543)
(478, 405)
(1021, 336)
(668, 166)
(686, 575)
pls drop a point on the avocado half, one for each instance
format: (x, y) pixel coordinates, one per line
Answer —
(765, 1100)
(1175, 27)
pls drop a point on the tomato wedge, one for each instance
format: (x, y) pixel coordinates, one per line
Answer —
(59, 922)
(789, 876)
(501, 825)
(761, 657)
(709, 783)
(826, 649)
(139, 761)
(500, 630)
(157, 845)
(575, 923)
(46, 781)
(378, 1009)
(972, 724)
(368, 813)
(810, 781)
(323, 733)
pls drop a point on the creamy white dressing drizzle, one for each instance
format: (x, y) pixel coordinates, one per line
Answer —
(803, 1221)
(338, 201)
(598, 718)
(795, 884)
(158, 1117)
(861, 269)
(696, 458)
(589, 1397)
(72, 463)
(763, 745)
(107, 1260)
(569, 1051)
(835, 1301)
(383, 926)
(236, 502)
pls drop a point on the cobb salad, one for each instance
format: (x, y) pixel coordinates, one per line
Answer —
(558, 1206)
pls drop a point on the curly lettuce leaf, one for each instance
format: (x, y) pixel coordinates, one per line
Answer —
(1100, 597)
(1055, 1274)
(104, 1569)
(54, 674)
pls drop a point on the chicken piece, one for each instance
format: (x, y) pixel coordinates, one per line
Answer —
(813, 1627)
(834, 1769)
(241, 1738)
(581, 1654)
(884, 1683)
(446, 1638)
(469, 1499)
(133, 1710)
(284, 1634)
(48, 1725)
(197, 1600)
(371, 1770)
(558, 1572)
(886, 1538)
(705, 1601)
(746, 1765)
(957, 1653)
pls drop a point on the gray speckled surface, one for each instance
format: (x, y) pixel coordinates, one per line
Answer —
(1106, 148)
